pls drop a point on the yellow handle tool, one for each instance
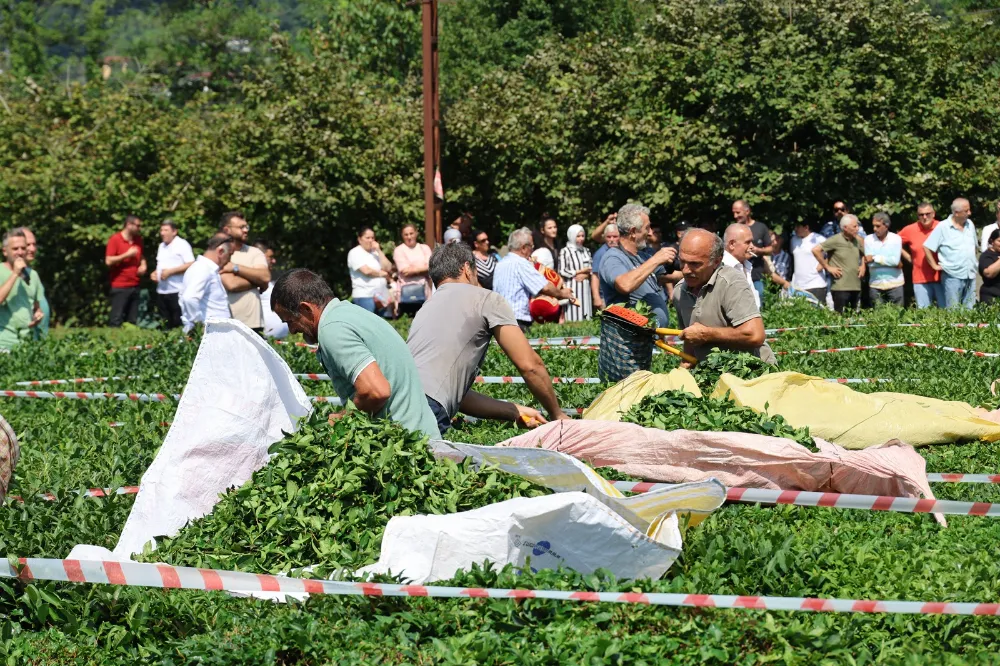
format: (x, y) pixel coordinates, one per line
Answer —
(668, 331)
(677, 352)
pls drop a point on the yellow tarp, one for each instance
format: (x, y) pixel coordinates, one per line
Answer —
(855, 420)
(610, 405)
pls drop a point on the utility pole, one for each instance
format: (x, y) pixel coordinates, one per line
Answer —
(432, 121)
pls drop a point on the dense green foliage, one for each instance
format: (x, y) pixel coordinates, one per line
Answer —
(742, 549)
(570, 107)
(679, 410)
(327, 496)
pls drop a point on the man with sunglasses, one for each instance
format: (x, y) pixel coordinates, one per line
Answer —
(832, 227)
(927, 288)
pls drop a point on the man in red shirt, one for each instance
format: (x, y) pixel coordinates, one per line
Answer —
(126, 263)
(927, 287)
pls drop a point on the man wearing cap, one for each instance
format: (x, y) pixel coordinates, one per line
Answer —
(452, 236)
(714, 302)
(611, 237)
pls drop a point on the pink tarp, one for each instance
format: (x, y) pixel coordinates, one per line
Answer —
(735, 459)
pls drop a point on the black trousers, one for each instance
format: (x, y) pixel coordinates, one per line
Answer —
(124, 306)
(846, 299)
(170, 309)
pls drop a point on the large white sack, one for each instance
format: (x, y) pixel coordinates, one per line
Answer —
(239, 399)
(573, 530)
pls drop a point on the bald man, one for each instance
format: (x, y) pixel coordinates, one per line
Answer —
(715, 303)
(739, 250)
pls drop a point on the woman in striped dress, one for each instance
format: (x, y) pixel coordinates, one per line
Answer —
(486, 261)
(574, 267)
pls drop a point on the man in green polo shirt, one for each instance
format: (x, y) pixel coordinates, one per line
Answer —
(367, 360)
(19, 309)
(843, 261)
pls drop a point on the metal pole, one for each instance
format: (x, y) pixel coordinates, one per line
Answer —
(432, 150)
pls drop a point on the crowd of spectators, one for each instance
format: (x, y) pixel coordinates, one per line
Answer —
(543, 275)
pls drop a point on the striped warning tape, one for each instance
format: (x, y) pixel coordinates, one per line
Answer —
(479, 380)
(78, 380)
(646, 486)
(164, 576)
(963, 478)
(136, 397)
(838, 500)
(893, 345)
(77, 395)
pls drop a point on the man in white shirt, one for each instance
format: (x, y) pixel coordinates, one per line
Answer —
(173, 257)
(202, 295)
(883, 252)
(806, 273)
(249, 274)
(739, 244)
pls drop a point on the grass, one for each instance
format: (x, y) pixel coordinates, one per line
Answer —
(741, 549)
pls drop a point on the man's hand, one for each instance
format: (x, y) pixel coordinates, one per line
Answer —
(598, 304)
(835, 272)
(228, 268)
(19, 265)
(869, 258)
(131, 252)
(861, 271)
(529, 418)
(665, 255)
(142, 268)
(155, 276)
(37, 317)
(568, 294)
(697, 334)
(336, 416)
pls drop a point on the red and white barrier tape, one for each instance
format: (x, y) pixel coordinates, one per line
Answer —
(479, 380)
(963, 478)
(893, 345)
(838, 500)
(78, 380)
(170, 577)
(76, 395)
(646, 486)
(136, 397)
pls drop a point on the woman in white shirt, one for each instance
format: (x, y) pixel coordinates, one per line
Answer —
(370, 271)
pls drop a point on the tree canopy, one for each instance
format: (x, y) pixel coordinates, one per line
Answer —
(311, 118)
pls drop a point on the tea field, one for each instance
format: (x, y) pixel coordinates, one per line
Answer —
(364, 472)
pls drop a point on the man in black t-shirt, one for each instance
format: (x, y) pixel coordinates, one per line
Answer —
(761, 244)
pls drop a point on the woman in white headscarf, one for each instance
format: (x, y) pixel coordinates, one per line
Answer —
(574, 267)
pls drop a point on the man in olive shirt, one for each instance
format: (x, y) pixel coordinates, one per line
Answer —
(715, 303)
(844, 263)
(366, 359)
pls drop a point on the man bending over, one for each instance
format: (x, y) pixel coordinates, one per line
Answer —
(449, 338)
(366, 359)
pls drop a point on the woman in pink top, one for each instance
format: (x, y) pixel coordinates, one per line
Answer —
(411, 261)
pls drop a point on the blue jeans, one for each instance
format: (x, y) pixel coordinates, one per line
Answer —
(443, 420)
(366, 303)
(958, 292)
(758, 285)
(929, 293)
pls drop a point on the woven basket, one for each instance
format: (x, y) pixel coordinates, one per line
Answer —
(10, 451)
(625, 348)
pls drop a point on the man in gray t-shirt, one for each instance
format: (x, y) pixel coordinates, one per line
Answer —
(449, 338)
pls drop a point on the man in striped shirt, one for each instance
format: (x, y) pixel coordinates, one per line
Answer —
(517, 280)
